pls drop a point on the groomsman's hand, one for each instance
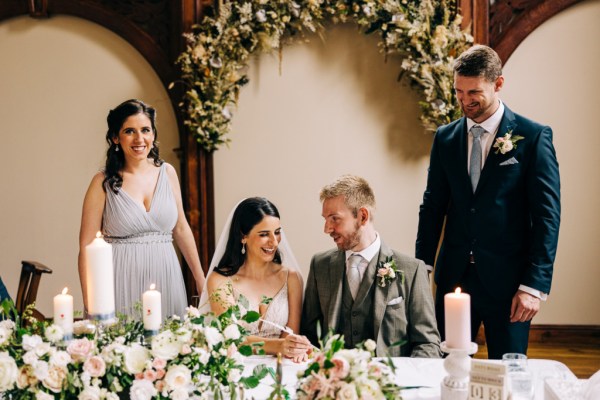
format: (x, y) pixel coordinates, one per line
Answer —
(524, 307)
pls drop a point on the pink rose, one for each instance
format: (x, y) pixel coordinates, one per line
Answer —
(150, 374)
(159, 363)
(95, 366)
(160, 374)
(340, 369)
(383, 271)
(80, 349)
(139, 376)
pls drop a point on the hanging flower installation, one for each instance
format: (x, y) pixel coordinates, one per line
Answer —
(426, 34)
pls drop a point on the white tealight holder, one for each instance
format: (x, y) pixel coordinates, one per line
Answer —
(455, 385)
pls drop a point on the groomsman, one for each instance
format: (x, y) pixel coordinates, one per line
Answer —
(363, 289)
(493, 179)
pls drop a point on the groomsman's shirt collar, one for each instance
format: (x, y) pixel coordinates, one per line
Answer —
(492, 123)
(369, 252)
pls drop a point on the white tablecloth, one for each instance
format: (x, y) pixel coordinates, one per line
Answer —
(410, 372)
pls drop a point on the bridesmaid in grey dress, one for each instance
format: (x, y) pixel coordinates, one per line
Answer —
(136, 203)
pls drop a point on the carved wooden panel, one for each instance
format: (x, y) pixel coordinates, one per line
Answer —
(511, 21)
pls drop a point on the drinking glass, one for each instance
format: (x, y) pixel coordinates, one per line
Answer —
(519, 376)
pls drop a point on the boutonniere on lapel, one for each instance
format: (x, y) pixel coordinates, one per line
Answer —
(387, 271)
(507, 142)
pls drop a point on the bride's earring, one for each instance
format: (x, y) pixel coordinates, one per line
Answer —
(116, 147)
(243, 248)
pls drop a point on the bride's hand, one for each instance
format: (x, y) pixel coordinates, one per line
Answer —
(296, 347)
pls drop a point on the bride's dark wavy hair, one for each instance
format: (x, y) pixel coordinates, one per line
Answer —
(245, 217)
(115, 160)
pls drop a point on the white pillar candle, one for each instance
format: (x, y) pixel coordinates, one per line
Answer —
(63, 312)
(99, 279)
(457, 314)
(151, 309)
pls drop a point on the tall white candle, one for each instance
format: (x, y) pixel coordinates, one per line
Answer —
(151, 309)
(99, 279)
(63, 312)
(457, 314)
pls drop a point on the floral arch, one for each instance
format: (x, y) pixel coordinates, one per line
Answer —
(426, 33)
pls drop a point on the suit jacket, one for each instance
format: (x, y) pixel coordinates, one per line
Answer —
(410, 318)
(510, 223)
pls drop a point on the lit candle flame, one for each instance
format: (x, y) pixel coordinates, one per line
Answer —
(457, 291)
(152, 287)
(65, 290)
(98, 234)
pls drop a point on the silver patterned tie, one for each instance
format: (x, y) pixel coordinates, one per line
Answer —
(475, 163)
(354, 273)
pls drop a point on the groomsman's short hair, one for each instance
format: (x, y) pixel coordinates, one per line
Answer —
(356, 191)
(479, 60)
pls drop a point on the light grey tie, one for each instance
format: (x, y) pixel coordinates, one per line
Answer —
(354, 273)
(475, 163)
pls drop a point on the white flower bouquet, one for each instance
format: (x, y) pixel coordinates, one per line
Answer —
(197, 357)
(338, 373)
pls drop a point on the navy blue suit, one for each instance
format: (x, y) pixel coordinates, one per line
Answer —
(510, 224)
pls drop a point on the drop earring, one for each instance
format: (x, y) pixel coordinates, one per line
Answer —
(243, 248)
(116, 147)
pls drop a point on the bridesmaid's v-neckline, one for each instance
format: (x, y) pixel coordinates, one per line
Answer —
(142, 205)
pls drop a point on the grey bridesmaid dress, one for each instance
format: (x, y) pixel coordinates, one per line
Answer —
(143, 251)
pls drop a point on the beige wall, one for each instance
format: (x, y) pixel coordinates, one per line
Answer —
(58, 79)
(335, 109)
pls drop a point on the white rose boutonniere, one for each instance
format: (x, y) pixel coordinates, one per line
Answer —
(507, 142)
(387, 271)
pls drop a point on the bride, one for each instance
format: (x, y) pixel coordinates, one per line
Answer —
(253, 260)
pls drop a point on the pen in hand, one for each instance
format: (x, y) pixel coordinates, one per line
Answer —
(286, 329)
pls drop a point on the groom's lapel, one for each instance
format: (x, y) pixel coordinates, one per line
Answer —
(337, 264)
(493, 160)
(381, 293)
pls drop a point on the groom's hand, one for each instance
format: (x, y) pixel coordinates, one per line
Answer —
(524, 307)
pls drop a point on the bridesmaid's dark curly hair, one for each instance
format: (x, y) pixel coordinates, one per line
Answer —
(247, 214)
(115, 160)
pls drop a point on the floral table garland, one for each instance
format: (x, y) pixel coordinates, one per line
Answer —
(425, 33)
(197, 357)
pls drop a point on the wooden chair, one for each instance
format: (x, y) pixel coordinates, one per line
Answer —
(31, 273)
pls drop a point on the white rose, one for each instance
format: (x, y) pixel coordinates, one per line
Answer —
(30, 358)
(179, 394)
(7, 324)
(136, 358)
(5, 335)
(347, 391)
(142, 389)
(60, 358)
(165, 345)
(184, 335)
(90, 393)
(234, 375)
(43, 396)
(54, 333)
(41, 370)
(178, 377)
(204, 355)
(30, 342)
(508, 146)
(213, 336)
(55, 379)
(8, 372)
(42, 349)
(370, 345)
(232, 332)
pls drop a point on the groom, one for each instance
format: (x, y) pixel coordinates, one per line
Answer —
(493, 178)
(344, 293)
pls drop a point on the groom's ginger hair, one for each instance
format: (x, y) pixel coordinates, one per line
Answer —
(356, 191)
